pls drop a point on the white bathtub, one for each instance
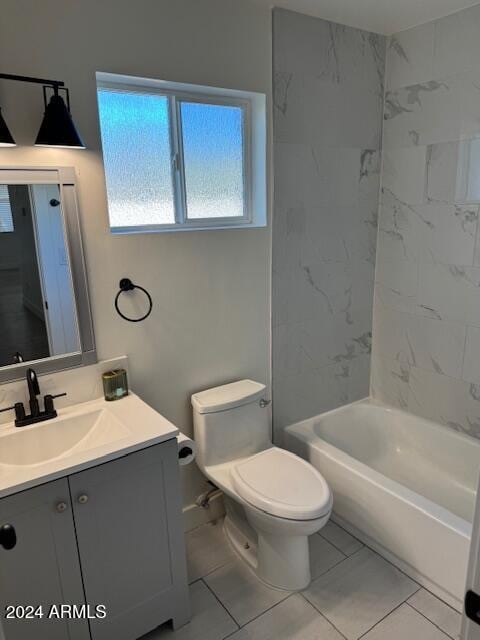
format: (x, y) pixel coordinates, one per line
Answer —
(404, 485)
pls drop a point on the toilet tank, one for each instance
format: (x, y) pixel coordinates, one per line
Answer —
(230, 422)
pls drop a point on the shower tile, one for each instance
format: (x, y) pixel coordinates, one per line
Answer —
(468, 90)
(307, 394)
(396, 282)
(296, 176)
(450, 291)
(358, 378)
(433, 232)
(300, 42)
(340, 538)
(457, 47)
(418, 341)
(289, 108)
(452, 171)
(207, 549)
(424, 113)
(359, 592)
(209, 621)
(447, 233)
(443, 184)
(471, 364)
(369, 178)
(404, 173)
(437, 612)
(337, 174)
(454, 403)
(389, 382)
(241, 593)
(327, 79)
(403, 623)
(292, 619)
(399, 227)
(340, 339)
(314, 111)
(410, 56)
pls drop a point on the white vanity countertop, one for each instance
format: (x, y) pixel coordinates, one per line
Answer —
(82, 436)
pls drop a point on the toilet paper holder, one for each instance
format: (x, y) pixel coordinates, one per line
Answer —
(187, 449)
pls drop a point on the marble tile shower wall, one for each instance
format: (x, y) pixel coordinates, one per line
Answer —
(328, 105)
(426, 335)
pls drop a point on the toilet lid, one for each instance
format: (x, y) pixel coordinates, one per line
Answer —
(283, 485)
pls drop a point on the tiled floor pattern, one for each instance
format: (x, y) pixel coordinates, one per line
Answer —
(354, 594)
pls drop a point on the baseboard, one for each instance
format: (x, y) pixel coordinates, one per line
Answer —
(194, 515)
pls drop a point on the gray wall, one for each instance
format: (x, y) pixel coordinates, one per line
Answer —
(328, 102)
(210, 320)
(426, 337)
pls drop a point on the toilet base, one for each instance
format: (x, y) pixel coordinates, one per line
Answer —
(284, 561)
(280, 561)
(244, 544)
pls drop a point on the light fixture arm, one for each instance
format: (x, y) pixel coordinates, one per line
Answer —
(51, 83)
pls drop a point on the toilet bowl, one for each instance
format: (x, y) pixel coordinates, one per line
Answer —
(274, 500)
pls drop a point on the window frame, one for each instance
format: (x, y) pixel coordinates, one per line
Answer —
(175, 97)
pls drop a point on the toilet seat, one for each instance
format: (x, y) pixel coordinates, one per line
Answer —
(281, 484)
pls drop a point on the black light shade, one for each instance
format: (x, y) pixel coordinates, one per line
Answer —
(6, 138)
(57, 128)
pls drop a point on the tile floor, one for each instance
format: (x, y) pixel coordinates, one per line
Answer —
(354, 594)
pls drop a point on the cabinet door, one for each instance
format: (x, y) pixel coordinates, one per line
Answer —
(43, 567)
(131, 543)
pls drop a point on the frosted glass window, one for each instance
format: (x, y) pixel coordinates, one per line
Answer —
(137, 156)
(179, 156)
(213, 158)
(6, 218)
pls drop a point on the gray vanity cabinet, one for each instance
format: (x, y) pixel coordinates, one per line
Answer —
(130, 540)
(42, 568)
(111, 535)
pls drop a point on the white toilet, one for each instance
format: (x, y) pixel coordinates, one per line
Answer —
(274, 500)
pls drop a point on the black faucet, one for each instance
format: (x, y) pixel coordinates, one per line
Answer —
(33, 392)
(23, 420)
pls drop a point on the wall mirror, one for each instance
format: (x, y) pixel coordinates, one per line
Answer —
(45, 318)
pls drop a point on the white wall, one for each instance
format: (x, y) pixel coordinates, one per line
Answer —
(210, 321)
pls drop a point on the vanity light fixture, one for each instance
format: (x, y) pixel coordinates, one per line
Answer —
(57, 128)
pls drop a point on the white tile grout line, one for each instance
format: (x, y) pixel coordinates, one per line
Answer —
(431, 621)
(223, 607)
(383, 618)
(209, 573)
(334, 545)
(321, 576)
(260, 614)
(386, 616)
(323, 615)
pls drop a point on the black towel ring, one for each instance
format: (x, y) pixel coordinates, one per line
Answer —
(127, 285)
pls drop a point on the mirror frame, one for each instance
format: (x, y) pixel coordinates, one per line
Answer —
(65, 178)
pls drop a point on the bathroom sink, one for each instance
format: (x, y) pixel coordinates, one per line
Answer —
(81, 436)
(60, 437)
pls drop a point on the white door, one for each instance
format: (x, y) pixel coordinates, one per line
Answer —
(54, 266)
(471, 616)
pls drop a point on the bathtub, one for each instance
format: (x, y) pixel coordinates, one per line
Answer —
(403, 485)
